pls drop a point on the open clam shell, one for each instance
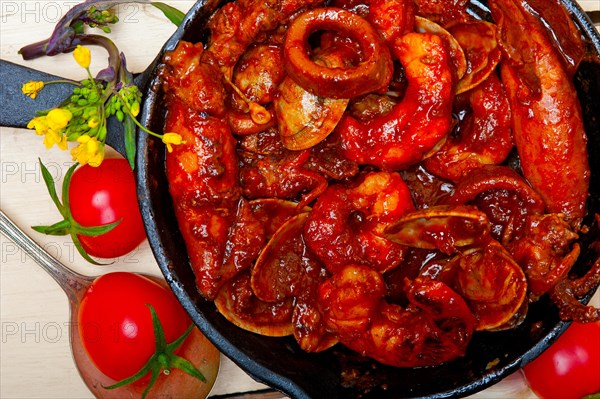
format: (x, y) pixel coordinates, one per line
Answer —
(444, 227)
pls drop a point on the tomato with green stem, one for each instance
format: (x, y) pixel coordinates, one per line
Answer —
(103, 195)
(99, 209)
(569, 368)
(135, 332)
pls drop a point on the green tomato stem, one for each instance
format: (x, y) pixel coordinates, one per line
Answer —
(163, 360)
(69, 226)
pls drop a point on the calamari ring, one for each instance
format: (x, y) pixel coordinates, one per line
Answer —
(495, 177)
(503, 195)
(372, 74)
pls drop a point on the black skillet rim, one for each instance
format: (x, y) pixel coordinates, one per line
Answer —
(147, 183)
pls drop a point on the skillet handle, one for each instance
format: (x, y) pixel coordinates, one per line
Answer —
(16, 109)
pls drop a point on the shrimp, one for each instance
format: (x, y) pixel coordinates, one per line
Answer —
(434, 328)
(482, 137)
(415, 125)
(346, 221)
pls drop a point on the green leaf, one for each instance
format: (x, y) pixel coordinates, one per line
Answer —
(94, 231)
(140, 374)
(50, 186)
(69, 226)
(129, 137)
(153, 379)
(61, 228)
(159, 334)
(173, 14)
(186, 366)
(173, 346)
(65, 192)
(82, 252)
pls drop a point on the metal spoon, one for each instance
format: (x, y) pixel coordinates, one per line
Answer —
(196, 349)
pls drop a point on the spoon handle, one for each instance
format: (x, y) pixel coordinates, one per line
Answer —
(72, 283)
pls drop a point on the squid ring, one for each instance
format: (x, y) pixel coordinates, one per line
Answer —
(373, 73)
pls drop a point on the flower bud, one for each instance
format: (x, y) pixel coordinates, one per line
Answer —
(83, 56)
(135, 109)
(93, 122)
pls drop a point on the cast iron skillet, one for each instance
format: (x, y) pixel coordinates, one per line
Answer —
(338, 373)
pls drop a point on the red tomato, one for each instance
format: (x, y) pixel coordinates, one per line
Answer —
(569, 368)
(115, 323)
(102, 195)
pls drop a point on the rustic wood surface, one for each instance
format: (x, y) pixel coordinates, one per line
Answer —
(34, 347)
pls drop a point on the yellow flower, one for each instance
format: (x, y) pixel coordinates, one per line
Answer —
(40, 124)
(83, 56)
(171, 138)
(58, 118)
(89, 151)
(52, 135)
(32, 88)
(93, 122)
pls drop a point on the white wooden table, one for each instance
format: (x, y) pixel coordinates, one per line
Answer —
(34, 347)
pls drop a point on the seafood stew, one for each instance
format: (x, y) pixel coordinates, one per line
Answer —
(344, 373)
